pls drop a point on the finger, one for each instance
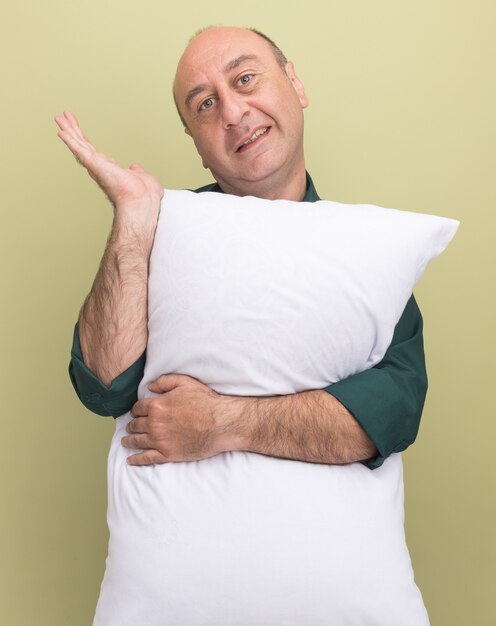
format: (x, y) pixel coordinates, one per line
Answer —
(78, 134)
(74, 124)
(136, 442)
(136, 167)
(79, 149)
(140, 408)
(149, 457)
(65, 125)
(62, 122)
(70, 140)
(71, 118)
(137, 425)
(167, 382)
(68, 121)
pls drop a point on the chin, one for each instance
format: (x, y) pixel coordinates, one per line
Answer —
(263, 168)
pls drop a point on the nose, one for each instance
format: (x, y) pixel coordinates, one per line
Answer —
(233, 108)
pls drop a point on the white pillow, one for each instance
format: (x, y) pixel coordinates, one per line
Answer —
(257, 297)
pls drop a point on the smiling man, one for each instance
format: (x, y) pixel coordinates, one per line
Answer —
(242, 104)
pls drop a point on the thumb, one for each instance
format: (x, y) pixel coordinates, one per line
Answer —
(165, 383)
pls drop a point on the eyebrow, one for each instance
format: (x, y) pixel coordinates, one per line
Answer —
(194, 92)
(229, 67)
(232, 65)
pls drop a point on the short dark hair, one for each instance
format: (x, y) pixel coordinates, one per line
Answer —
(278, 53)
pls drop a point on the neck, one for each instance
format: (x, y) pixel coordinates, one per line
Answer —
(288, 187)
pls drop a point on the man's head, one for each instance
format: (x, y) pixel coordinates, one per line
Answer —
(241, 102)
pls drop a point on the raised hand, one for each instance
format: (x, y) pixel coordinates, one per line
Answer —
(130, 190)
(113, 321)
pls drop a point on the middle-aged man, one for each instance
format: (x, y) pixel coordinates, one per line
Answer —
(242, 104)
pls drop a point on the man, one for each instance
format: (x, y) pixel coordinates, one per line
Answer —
(242, 104)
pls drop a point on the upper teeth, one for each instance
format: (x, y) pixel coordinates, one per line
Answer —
(256, 134)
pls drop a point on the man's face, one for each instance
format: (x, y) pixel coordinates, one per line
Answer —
(243, 111)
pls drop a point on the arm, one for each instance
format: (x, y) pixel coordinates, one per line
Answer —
(112, 397)
(387, 400)
(113, 320)
(112, 327)
(189, 421)
(115, 399)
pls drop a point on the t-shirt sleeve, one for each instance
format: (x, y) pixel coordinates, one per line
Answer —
(97, 397)
(387, 400)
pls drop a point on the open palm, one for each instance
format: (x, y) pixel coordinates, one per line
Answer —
(129, 187)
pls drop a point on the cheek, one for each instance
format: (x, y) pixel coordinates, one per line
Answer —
(208, 151)
(200, 149)
(286, 111)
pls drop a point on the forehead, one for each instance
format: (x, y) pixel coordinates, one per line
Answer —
(213, 52)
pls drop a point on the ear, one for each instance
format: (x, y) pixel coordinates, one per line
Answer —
(297, 84)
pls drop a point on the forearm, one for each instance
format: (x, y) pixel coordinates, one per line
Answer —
(309, 426)
(113, 320)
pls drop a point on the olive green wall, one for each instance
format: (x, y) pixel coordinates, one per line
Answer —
(402, 101)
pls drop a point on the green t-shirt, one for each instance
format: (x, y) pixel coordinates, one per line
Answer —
(387, 400)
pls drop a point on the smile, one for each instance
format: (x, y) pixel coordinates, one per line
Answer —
(258, 133)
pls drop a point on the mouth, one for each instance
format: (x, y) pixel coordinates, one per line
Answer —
(260, 132)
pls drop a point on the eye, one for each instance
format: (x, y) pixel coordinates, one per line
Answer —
(206, 104)
(245, 79)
